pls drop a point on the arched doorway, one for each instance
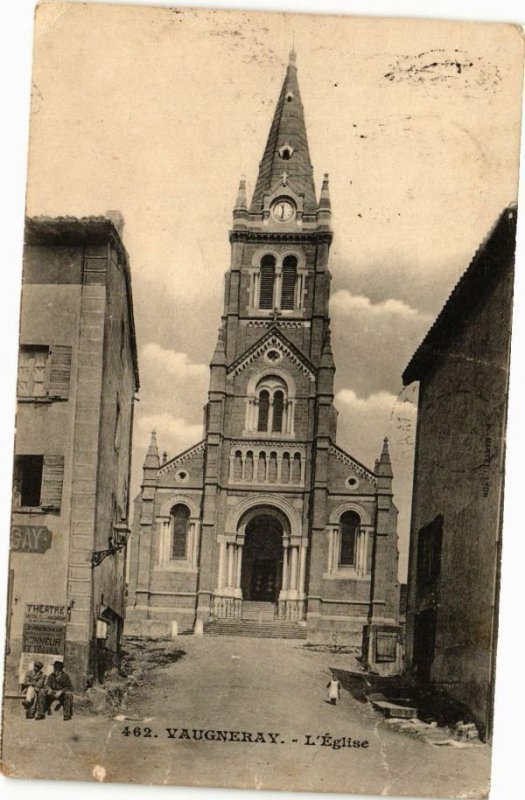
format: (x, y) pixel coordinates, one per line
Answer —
(262, 559)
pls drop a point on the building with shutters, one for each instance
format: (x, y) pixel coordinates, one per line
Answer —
(267, 519)
(77, 376)
(455, 538)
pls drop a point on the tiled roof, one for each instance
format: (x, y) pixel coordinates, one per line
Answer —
(494, 256)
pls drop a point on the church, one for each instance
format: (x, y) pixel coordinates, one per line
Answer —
(267, 525)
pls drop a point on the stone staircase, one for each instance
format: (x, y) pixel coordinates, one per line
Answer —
(252, 628)
(262, 612)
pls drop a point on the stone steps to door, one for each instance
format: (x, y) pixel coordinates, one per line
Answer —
(252, 609)
(276, 629)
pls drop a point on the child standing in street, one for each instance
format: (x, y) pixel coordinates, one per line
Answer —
(333, 687)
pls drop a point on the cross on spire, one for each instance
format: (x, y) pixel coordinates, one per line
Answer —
(276, 314)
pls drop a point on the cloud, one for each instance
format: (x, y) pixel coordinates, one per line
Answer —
(345, 302)
(174, 434)
(377, 402)
(171, 363)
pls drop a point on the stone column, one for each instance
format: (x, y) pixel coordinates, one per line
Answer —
(302, 570)
(293, 568)
(220, 576)
(238, 550)
(284, 584)
(230, 553)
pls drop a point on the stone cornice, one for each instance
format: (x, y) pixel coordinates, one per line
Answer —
(182, 458)
(284, 236)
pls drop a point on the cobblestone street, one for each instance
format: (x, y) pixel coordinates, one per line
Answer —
(253, 687)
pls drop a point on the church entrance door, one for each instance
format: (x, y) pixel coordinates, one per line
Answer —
(262, 560)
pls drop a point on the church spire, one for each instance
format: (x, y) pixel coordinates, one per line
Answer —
(286, 150)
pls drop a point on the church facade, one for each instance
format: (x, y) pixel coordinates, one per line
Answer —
(267, 517)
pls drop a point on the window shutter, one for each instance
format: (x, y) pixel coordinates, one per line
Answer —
(52, 480)
(60, 371)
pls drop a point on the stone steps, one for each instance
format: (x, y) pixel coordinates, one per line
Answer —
(252, 609)
(276, 629)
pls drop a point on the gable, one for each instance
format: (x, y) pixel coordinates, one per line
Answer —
(347, 475)
(273, 340)
(184, 470)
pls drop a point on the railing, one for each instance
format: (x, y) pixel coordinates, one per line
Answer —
(227, 607)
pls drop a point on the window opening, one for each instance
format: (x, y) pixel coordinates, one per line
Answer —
(278, 408)
(349, 528)
(180, 516)
(267, 282)
(27, 490)
(289, 277)
(32, 371)
(264, 408)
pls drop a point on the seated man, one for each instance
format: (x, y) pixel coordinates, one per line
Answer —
(32, 684)
(58, 686)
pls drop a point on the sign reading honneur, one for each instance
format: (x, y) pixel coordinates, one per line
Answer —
(44, 635)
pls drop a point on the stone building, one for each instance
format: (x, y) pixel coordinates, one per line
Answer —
(77, 376)
(267, 518)
(455, 541)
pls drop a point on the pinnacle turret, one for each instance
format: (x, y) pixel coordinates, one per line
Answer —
(152, 460)
(219, 354)
(384, 465)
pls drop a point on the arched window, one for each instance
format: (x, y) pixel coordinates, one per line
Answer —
(180, 518)
(349, 528)
(271, 395)
(267, 282)
(237, 466)
(289, 277)
(278, 408)
(264, 410)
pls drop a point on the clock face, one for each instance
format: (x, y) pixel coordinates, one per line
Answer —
(283, 211)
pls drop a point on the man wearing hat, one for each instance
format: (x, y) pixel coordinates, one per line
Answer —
(58, 687)
(32, 684)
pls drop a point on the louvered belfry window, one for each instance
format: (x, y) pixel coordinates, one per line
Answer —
(289, 277)
(267, 282)
(180, 516)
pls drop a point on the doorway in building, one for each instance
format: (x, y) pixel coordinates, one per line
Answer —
(262, 560)
(424, 642)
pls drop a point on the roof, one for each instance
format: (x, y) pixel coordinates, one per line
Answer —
(287, 128)
(494, 257)
(85, 230)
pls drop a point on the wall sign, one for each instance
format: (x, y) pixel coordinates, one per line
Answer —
(30, 538)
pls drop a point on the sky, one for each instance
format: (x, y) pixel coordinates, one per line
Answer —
(158, 112)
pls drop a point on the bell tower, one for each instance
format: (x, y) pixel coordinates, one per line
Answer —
(280, 240)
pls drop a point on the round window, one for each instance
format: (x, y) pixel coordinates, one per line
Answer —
(352, 482)
(273, 356)
(182, 476)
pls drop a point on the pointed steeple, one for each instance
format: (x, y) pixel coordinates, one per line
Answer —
(152, 460)
(286, 150)
(384, 466)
